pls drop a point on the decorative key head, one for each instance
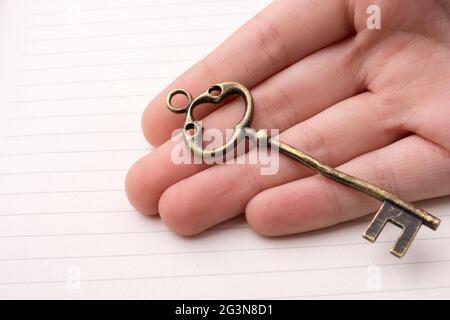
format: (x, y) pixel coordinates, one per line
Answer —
(214, 94)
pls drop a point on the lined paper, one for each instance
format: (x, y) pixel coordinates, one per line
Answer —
(75, 78)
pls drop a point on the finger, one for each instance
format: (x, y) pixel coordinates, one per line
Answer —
(335, 136)
(281, 34)
(150, 176)
(412, 168)
(293, 95)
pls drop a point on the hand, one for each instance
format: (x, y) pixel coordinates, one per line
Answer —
(373, 103)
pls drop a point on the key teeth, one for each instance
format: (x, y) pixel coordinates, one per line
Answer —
(369, 238)
(397, 254)
(377, 224)
(399, 249)
(410, 230)
(391, 213)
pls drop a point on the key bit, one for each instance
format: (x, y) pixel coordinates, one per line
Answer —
(402, 219)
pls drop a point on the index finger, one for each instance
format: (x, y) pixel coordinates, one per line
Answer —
(281, 34)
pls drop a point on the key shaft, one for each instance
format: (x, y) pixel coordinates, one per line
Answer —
(357, 184)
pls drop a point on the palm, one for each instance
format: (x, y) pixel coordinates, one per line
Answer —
(373, 103)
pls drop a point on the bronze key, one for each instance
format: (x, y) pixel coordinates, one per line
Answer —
(393, 210)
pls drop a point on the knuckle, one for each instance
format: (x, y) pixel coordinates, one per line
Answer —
(270, 41)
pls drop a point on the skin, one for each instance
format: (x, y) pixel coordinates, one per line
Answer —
(373, 103)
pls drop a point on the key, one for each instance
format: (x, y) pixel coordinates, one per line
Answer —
(393, 210)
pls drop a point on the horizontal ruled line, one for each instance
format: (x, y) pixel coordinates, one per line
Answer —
(184, 252)
(190, 16)
(85, 98)
(59, 192)
(95, 234)
(66, 213)
(352, 293)
(225, 274)
(29, 135)
(25, 173)
(181, 45)
(71, 151)
(139, 6)
(82, 234)
(74, 115)
(114, 256)
(91, 81)
(105, 64)
(128, 34)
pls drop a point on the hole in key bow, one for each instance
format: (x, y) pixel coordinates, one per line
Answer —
(215, 91)
(180, 107)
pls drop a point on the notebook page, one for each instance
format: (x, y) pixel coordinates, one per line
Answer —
(75, 77)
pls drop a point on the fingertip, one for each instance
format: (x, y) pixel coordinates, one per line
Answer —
(157, 122)
(175, 215)
(261, 216)
(138, 191)
(283, 211)
(152, 124)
